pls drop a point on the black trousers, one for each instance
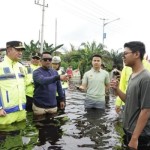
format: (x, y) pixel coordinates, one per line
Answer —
(143, 141)
(29, 103)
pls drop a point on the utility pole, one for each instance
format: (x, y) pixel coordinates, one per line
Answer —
(55, 32)
(42, 26)
(39, 39)
(104, 24)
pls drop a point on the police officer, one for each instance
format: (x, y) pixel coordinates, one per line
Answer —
(35, 63)
(12, 85)
(56, 64)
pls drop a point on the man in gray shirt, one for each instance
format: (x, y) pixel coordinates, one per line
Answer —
(136, 120)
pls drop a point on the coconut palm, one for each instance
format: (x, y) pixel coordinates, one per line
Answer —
(116, 56)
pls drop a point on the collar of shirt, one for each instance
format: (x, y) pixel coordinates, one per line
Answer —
(6, 58)
(95, 70)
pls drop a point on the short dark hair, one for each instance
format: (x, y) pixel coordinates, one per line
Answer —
(45, 53)
(136, 46)
(114, 66)
(96, 55)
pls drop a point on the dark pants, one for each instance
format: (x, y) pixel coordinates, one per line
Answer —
(59, 100)
(143, 142)
(29, 103)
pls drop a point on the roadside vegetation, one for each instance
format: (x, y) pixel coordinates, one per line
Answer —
(78, 58)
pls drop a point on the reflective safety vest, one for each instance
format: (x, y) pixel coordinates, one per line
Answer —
(29, 80)
(12, 86)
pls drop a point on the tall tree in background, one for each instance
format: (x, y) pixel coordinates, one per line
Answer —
(35, 47)
(116, 56)
(81, 57)
(32, 47)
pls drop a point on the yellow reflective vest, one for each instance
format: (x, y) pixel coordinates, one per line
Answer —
(125, 75)
(12, 89)
(29, 80)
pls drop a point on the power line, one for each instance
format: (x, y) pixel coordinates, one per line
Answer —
(80, 11)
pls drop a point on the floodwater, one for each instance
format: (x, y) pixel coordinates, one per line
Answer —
(75, 129)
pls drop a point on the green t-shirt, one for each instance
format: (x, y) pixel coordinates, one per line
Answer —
(96, 81)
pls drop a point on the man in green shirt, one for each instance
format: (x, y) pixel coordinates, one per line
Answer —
(95, 82)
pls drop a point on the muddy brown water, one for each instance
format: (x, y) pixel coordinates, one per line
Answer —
(75, 129)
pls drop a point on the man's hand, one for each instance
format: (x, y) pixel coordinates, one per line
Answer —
(64, 77)
(118, 109)
(133, 143)
(62, 105)
(81, 88)
(114, 84)
(2, 113)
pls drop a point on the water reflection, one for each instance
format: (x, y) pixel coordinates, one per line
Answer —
(49, 127)
(7, 134)
(76, 129)
(90, 127)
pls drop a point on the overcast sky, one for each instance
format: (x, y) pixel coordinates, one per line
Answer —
(77, 21)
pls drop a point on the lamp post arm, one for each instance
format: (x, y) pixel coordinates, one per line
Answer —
(111, 21)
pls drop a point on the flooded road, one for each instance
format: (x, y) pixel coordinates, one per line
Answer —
(76, 129)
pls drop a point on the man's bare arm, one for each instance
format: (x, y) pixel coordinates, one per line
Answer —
(141, 123)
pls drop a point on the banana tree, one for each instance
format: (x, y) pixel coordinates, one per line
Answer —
(32, 47)
(35, 47)
(50, 48)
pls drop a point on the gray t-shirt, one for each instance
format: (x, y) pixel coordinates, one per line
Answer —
(137, 98)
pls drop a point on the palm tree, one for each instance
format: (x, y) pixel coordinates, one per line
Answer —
(93, 48)
(117, 58)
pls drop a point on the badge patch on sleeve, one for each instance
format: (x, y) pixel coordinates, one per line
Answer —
(6, 70)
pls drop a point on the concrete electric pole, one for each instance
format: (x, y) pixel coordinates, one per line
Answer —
(55, 32)
(104, 24)
(42, 26)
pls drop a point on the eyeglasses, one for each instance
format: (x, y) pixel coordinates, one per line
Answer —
(126, 53)
(47, 59)
(36, 58)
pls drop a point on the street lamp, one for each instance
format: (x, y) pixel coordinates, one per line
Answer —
(104, 24)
